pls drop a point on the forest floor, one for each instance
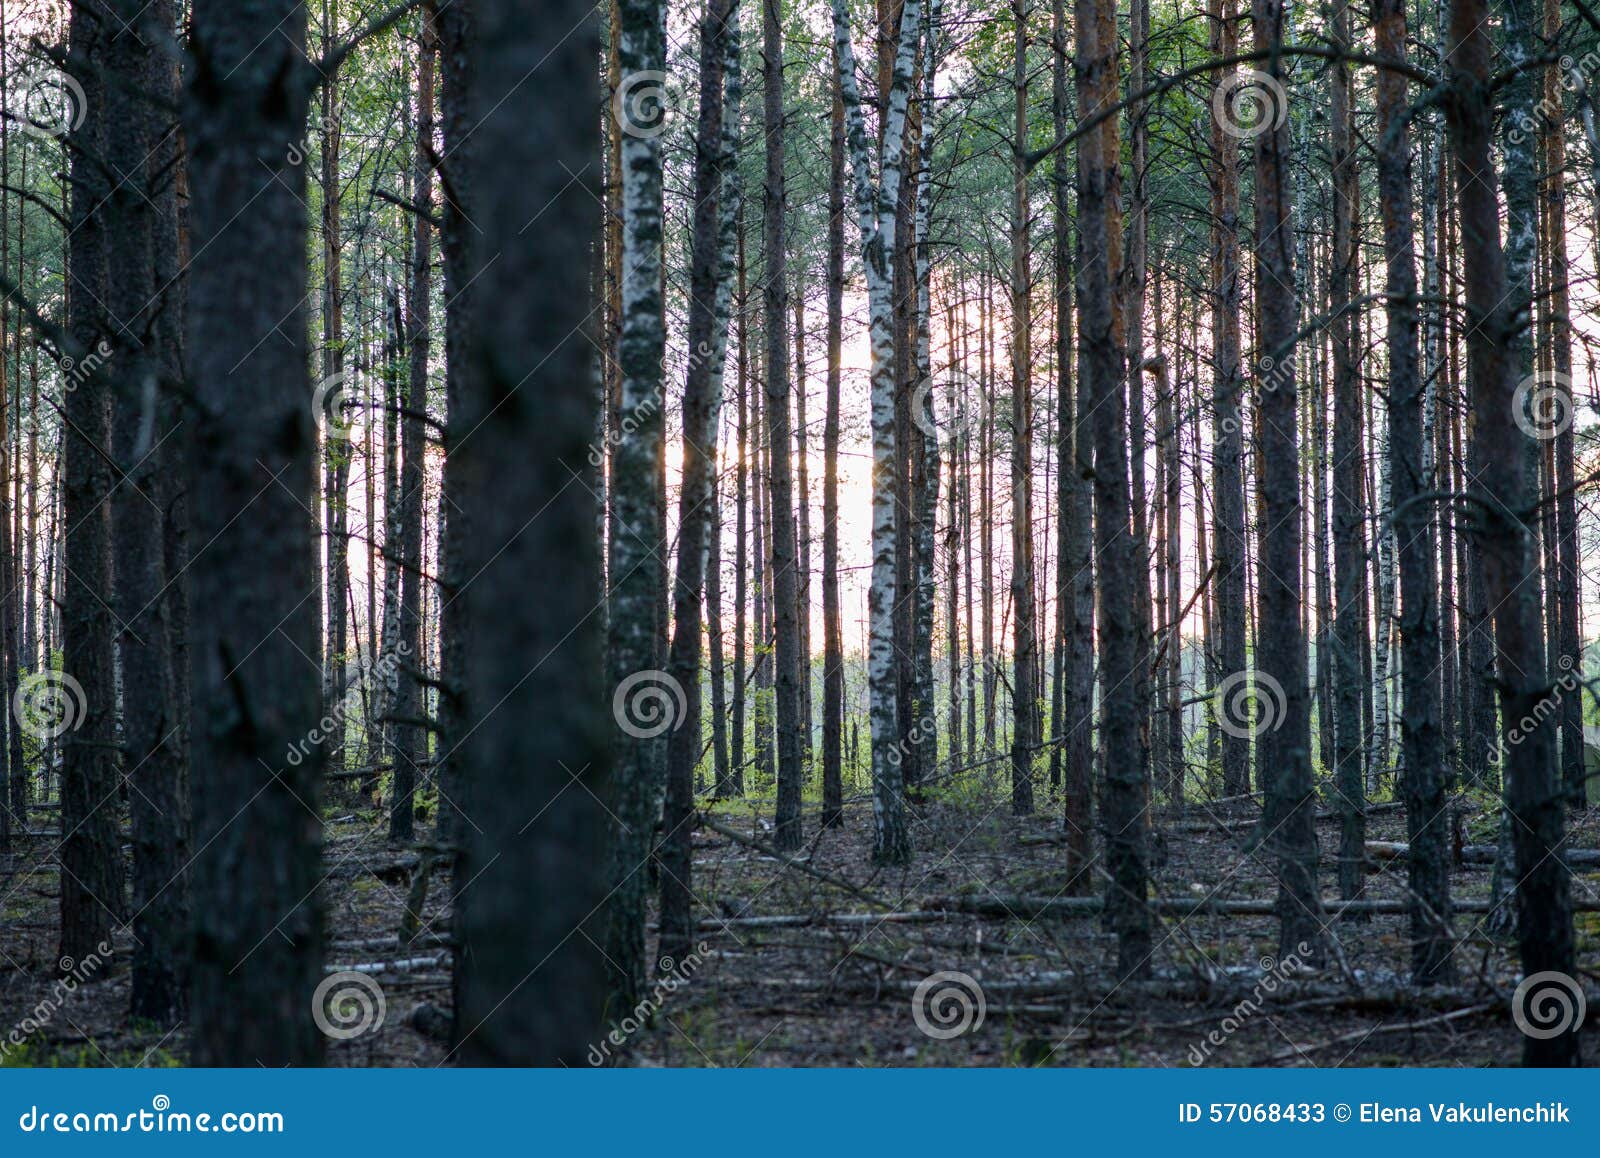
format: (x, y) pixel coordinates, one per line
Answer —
(821, 965)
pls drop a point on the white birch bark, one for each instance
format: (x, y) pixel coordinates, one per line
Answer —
(876, 203)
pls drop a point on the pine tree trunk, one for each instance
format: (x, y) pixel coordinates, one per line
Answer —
(1022, 655)
(1101, 368)
(1289, 834)
(258, 944)
(1229, 546)
(1498, 481)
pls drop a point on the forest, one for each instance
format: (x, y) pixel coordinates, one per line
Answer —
(821, 533)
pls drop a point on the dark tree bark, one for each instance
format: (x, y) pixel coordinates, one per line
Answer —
(1023, 696)
(142, 210)
(1288, 826)
(411, 738)
(775, 299)
(79, 703)
(1229, 545)
(1427, 815)
(529, 979)
(1349, 546)
(1101, 367)
(258, 946)
(1498, 481)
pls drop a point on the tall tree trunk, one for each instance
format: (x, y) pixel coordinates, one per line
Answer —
(1101, 368)
(832, 630)
(411, 736)
(775, 298)
(1349, 547)
(1022, 655)
(1496, 320)
(1569, 644)
(644, 703)
(1288, 824)
(142, 215)
(709, 293)
(528, 990)
(1229, 546)
(877, 204)
(1427, 814)
(258, 946)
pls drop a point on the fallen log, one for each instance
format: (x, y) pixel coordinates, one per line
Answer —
(1031, 908)
(1385, 850)
(404, 965)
